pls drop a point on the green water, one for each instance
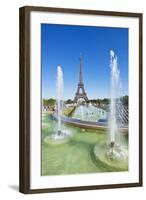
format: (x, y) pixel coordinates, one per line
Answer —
(75, 156)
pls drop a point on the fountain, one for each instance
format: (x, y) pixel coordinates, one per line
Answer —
(60, 136)
(82, 112)
(89, 113)
(115, 151)
(59, 87)
(114, 95)
(92, 120)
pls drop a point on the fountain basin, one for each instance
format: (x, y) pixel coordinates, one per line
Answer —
(73, 155)
(116, 152)
(113, 157)
(56, 138)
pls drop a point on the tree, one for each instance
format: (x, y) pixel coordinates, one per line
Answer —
(124, 100)
(69, 101)
(105, 101)
(49, 102)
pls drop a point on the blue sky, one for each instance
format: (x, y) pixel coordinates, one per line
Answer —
(63, 44)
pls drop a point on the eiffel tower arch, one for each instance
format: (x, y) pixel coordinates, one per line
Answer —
(80, 94)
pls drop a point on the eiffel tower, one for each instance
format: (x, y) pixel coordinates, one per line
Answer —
(80, 94)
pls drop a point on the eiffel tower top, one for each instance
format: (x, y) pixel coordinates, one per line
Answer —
(81, 62)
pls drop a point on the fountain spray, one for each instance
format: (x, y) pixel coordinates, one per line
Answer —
(115, 73)
(59, 96)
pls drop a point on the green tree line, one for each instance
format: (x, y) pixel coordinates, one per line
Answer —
(105, 101)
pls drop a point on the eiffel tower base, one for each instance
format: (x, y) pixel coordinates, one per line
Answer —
(79, 96)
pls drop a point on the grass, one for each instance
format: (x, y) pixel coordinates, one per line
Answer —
(76, 155)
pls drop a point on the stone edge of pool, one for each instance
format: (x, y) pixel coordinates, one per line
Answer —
(88, 124)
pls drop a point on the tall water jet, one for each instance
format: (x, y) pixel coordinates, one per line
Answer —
(115, 73)
(59, 86)
(115, 151)
(61, 135)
